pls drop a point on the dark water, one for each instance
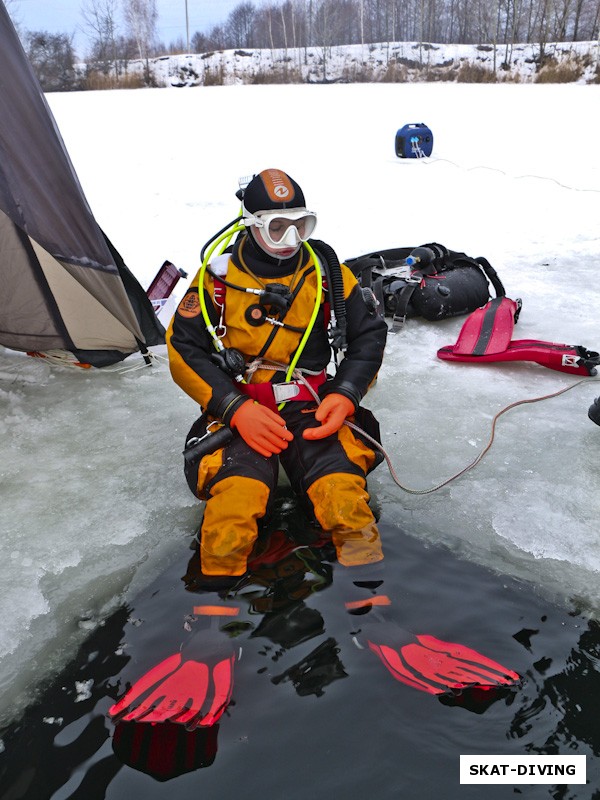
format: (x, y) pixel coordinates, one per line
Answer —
(312, 716)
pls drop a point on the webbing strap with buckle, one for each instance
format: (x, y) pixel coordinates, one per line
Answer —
(271, 394)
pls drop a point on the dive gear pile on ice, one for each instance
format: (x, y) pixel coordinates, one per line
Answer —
(487, 336)
(429, 281)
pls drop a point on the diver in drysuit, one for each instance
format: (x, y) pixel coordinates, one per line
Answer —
(250, 343)
(264, 304)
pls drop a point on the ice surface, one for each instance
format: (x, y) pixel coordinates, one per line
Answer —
(93, 497)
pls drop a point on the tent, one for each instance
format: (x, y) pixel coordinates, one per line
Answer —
(64, 286)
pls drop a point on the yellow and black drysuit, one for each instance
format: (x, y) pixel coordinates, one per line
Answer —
(236, 481)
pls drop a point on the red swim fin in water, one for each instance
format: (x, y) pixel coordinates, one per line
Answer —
(189, 691)
(434, 666)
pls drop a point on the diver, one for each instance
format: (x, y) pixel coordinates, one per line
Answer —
(264, 309)
(252, 342)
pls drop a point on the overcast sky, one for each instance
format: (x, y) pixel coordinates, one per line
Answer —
(64, 16)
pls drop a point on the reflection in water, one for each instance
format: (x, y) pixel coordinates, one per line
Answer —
(286, 568)
(43, 758)
(165, 750)
(283, 571)
(566, 705)
(81, 756)
(573, 694)
(318, 669)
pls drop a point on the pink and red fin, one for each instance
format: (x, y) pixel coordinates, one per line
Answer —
(437, 667)
(177, 690)
(486, 336)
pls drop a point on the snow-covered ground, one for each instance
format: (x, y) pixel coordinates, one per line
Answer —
(388, 61)
(93, 496)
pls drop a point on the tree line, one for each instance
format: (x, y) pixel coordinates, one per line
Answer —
(118, 31)
(301, 23)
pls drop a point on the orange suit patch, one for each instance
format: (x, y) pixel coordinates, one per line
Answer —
(189, 306)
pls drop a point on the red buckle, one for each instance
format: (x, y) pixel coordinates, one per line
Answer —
(263, 392)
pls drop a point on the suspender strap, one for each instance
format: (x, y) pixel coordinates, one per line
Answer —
(403, 299)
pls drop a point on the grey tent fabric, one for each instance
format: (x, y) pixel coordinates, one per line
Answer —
(63, 285)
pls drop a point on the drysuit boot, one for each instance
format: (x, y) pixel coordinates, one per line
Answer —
(230, 524)
(340, 504)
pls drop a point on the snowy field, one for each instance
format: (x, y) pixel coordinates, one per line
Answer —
(94, 500)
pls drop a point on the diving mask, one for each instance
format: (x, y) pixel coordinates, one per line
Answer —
(283, 229)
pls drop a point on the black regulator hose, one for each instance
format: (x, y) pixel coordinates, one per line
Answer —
(217, 234)
(335, 283)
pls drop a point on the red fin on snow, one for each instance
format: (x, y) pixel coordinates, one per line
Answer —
(486, 337)
(489, 329)
(573, 359)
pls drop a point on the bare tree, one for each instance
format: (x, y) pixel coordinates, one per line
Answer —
(100, 20)
(270, 13)
(579, 4)
(595, 28)
(275, 24)
(563, 10)
(543, 21)
(217, 38)
(53, 60)
(240, 25)
(328, 21)
(199, 43)
(141, 17)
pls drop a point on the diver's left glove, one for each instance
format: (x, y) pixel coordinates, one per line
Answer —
(192, 687)
(331, 413)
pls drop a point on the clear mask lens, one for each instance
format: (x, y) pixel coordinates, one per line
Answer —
(283, 230)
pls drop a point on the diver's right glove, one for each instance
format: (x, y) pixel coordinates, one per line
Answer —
(192, 687)
(262, 429)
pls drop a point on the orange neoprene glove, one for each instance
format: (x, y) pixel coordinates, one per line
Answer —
(332, 412)
(262, 429)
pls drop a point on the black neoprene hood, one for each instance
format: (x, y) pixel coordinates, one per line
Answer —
(272, 190)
